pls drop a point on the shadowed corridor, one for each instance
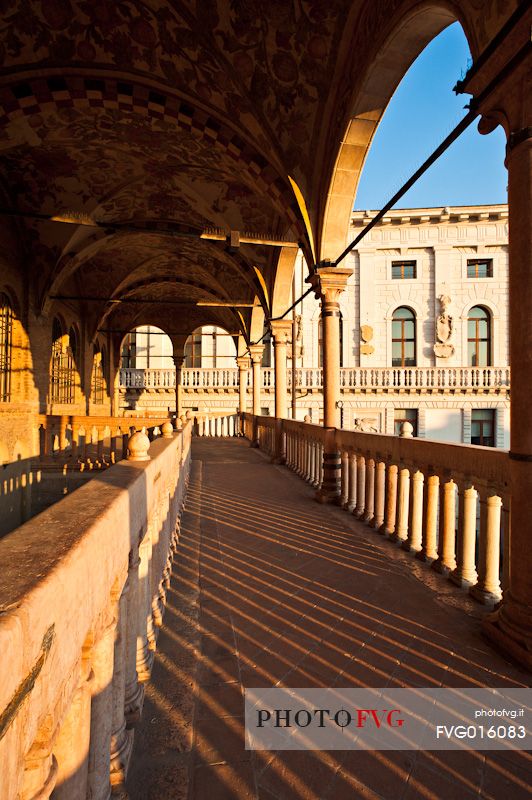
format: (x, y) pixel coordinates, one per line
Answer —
(270, 588)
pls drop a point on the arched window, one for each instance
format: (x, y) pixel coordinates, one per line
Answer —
(61, 367)
(403, 337)
(98, 376)
(193, 350)
(6, 344)
(479, 337)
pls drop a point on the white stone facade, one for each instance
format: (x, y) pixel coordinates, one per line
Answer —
(440, 241)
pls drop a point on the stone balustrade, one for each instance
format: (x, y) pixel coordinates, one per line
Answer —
(74, 666)
(372, 379)
(90, 441)
(447, 504)
(218, 423)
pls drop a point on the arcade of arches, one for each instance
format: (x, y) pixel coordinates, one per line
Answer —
(161, 164)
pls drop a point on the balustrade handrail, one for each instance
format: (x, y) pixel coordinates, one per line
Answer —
(450, 504)
(375, 378)
(71, 592)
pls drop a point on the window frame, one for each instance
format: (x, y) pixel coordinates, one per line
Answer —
(412, 262)
(478, 339)
(403, 340)
(492, 421)
(476, 262)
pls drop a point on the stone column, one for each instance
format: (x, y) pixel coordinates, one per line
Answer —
(352, 481)
(329, 282)
(370, 490)
(256, 351)
(508, 103)
(281, 332)
(243, 371)
(178, 361)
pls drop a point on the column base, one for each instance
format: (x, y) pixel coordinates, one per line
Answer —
(509, 629)
(483, 596)
(120, 759)
(330, 490)
(425, 558)
(397, 538)
(410, 548)
(133, 704)
(439, 566)
(329, 495)
(460, 580)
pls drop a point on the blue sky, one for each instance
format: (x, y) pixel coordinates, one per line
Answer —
(423, 110)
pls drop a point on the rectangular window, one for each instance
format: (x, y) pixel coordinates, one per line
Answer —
(405, 415)
(483, 426)
(404, 269)
(480, 268)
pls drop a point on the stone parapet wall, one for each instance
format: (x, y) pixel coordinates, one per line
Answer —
(65, 655)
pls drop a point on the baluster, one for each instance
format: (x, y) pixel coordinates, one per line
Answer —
(344, 493)
(352, 481)
(361, 487)
(428, 550)
(446, 560)
(380, 484)
(370, 490)
(121, 737)
(415, 528)
(403, 502)
(465, 573)
(488, 587)
(102, 659)
(391, 500)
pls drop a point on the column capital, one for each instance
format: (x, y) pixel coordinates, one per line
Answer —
(178, 361)
(242, 362)
(281, 330)
(255, 352)
(329, 282)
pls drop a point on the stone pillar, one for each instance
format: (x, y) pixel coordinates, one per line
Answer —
(281, 331)
(243, 370)
(508, 103)
(178, 361)
(329, 282)
(102, 659)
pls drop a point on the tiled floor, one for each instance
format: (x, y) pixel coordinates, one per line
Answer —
(271, 588)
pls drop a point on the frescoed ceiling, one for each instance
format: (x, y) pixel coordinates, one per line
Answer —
(156, 121)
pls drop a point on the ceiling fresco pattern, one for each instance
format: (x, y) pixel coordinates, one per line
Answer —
(180, 115)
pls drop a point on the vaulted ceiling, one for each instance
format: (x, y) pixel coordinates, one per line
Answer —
(154, 122)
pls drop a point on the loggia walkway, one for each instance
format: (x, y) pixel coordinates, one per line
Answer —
(270, 588)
